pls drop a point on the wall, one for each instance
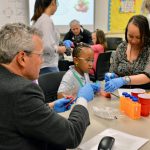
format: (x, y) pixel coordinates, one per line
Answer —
(101, 14)
(18, 10)
(13, 11)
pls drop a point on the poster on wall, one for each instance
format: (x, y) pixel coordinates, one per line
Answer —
(127, 6)
(120, 12)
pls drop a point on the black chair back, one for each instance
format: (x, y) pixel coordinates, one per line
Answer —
(113, 42)
(102, 65)
(49, 83)
(63, 65)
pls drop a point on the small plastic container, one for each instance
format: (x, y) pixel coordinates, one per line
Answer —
(122, 101)
(135, 111)
(130, 106)
(127, 104)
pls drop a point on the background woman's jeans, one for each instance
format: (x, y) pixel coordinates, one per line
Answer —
(48, 69)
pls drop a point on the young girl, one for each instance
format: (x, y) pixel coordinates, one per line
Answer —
(77, 75)
(99, 45)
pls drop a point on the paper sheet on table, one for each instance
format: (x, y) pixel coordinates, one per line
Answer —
(123, 141)
(120, 91)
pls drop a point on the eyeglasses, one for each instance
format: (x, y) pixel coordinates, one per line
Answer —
(36, 53)
(87, 60)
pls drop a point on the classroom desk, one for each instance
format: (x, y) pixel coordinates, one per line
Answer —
(139, 127)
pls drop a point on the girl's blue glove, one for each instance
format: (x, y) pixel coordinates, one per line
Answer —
(86, 92)
(96, 86)
(114, 84)
(109, 76)
(60, 105)
(68, 43)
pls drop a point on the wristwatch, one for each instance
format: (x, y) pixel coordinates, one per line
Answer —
(127, 79)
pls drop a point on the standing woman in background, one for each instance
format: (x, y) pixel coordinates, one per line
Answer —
(43, 9)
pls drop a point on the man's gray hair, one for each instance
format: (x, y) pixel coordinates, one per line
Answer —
(15, 37)
(73, 22)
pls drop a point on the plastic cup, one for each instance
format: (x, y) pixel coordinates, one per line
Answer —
(144, 100)
(137, 91)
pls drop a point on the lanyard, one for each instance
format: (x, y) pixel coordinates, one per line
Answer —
(77, 77)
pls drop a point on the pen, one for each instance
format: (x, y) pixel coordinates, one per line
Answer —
(115, 95)
(112, 94)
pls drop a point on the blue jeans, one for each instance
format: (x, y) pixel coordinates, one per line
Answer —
(48, 69)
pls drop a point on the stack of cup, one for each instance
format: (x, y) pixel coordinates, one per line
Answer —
(136, 92)
(143, 99)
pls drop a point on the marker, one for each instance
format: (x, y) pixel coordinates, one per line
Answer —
(72, 100)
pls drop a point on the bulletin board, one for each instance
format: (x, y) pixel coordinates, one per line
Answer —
(120, 11)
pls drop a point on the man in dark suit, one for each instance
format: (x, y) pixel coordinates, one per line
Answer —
(26, 121)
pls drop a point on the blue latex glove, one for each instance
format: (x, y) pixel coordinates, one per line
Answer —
(96, 86)
(86, 92)
(68, 43)
(60, 105)
(109, 76)
(114, 84)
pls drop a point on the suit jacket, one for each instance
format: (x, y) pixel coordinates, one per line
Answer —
(27, 123)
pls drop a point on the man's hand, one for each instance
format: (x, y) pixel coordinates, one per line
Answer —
(60, 105)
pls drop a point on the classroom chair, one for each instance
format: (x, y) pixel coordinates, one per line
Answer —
(49, 83)
(113, 42)
(102, 66)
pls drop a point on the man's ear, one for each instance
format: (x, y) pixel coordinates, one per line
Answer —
(21, 58)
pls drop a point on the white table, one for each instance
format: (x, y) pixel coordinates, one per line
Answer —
(139, 127)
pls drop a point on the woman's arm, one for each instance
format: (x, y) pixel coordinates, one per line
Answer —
(139, 79)
(143, 77)
(49, 37)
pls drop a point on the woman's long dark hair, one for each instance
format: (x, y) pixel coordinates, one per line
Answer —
(39, 8)
(142, 23)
